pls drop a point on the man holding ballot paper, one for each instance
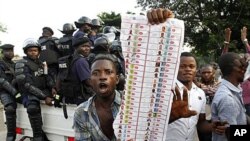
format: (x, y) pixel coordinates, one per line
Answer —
(145, 112)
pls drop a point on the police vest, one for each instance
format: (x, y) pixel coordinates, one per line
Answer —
(69, 86)
(49, 50)
(65, 46)
(37, 73)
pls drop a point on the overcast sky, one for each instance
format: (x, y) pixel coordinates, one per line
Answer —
(26, 18)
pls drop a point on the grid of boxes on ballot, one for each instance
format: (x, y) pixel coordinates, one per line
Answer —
(151, 56)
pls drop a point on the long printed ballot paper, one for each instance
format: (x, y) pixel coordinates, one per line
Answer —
(151, 55)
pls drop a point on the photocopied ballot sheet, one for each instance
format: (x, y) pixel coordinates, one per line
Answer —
(152, 54)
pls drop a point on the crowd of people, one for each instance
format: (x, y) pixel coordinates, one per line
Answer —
(86, 68)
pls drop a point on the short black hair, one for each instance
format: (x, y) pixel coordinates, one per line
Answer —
(188, 54)
(226, 62)
(207, 65)
(107, 56)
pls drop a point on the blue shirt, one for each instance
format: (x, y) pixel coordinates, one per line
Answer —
(78, 34)
(86, 121)
(81, 69)
(227, 105)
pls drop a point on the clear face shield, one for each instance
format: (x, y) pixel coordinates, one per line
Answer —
(109, 36)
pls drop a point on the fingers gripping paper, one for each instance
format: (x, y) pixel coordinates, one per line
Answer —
(152, 61)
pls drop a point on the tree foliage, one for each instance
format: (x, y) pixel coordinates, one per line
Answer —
(111, 19)
(205, 21)
(2, 29)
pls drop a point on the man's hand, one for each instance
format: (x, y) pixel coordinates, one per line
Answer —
(244, 59)
(53, 92)
(180, 106)
(219, 127)
(159, 15)
(48, 101)
(243, 34)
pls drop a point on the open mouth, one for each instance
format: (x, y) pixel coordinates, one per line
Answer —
(103, 87)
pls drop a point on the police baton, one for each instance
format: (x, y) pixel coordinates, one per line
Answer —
(64, 108)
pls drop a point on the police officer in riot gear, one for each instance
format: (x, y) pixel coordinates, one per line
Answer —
(74, 74)
(84, 27)
(49, 50)
(35, 84)
(116, 49)
(96, 25)
(65, 42)
(7, 90)
(101, 45)
(95, 30)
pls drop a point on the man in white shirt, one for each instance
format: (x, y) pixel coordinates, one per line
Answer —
(184, 129)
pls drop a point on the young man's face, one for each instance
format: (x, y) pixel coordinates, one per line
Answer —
(8, 53)
(187, 69)
(33, 53)
(104, 78)
(84, 49)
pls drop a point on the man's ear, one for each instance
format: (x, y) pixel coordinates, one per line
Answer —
(117, 79)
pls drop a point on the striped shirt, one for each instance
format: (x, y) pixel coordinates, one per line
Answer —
(86, 121)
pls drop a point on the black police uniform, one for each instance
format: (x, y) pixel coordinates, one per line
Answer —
(34, 85)
(116, 49)
(65, 45)
(8, 93)
(49, 53)
(65, 42)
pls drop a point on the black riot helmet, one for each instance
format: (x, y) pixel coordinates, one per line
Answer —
(83, 20)
(68, 28)
(96, 23)
(116, 49)
(101, 44)
(116, 46)
(29, 43)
